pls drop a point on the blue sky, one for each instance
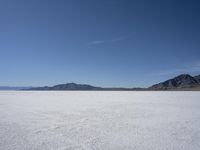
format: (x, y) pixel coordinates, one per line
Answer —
(100, 42)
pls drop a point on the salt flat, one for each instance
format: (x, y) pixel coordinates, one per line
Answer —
(97, 120)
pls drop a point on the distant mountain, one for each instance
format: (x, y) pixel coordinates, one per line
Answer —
(80, 87)
(181, 82)
(68, 86)
(13, 88)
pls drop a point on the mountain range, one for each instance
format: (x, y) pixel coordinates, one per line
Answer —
(181, 82)
(81, 87)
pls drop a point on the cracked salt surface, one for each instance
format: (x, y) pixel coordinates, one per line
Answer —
(97, 120)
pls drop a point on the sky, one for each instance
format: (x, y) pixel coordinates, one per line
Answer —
(110, 43)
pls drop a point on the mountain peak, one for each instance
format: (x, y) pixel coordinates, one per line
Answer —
(68, 86)
(179, 82)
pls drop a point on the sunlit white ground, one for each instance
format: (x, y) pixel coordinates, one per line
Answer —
(99, 120)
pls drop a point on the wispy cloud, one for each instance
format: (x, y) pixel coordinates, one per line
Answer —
(190, 68)
(195, 64)
(95, 42)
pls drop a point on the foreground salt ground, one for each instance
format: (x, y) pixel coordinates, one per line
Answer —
(99, 120)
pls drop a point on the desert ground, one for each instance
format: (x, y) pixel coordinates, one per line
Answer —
(99, 120)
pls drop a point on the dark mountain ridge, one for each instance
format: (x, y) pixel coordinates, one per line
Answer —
(68, 86)
(197, 78)
(82, 87)
(181, 82)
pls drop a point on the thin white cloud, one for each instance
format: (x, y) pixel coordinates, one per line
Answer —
(174, 71)
(188, 68)
(107, 41)
(96, 42)
(195, 64)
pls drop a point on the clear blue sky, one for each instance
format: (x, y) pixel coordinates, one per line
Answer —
(100, 42)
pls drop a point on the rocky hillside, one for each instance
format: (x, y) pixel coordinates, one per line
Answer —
(183, 81)
(197, 78)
